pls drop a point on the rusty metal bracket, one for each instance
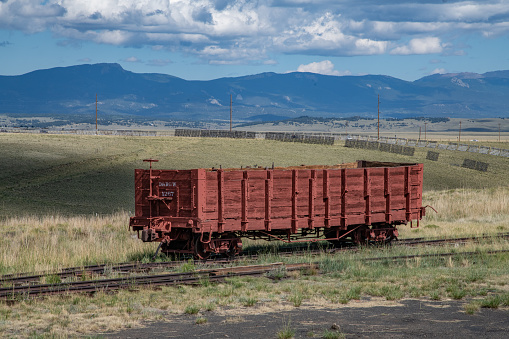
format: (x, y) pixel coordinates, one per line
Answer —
(424, 208)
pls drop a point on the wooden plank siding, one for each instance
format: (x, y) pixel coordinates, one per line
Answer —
(281, 199)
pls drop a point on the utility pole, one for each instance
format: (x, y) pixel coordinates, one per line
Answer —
(230, 112)
(425, 130)
(96, 114)
(498, 132)
(378, 125)
(459, 137)
(419, 133)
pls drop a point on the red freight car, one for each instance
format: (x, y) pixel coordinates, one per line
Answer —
(203, 211)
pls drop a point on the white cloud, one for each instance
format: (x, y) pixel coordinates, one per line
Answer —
(243, 31)
(132, 59)
(214, 102)
(438, 71)
(427, 45)
(325, 36)
(325, 67)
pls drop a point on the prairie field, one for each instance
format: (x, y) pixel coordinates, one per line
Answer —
(66, 201)
(43, 174)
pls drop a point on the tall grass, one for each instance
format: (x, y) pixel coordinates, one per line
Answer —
(37, 243)
(484, 205)
(52, 242)
(463, 212)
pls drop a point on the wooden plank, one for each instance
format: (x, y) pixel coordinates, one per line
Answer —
(311, 210)
(244, 199)
(268, 200)
(344, 191)
(294, 201)
(367, 196)
(220, 201)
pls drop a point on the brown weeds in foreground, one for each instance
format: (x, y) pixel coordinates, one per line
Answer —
(49, 243)
(463, 212)
(52, 242)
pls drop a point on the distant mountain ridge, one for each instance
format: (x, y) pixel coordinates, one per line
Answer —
(72, 90)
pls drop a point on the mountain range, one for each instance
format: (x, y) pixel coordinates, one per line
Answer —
(268, 96)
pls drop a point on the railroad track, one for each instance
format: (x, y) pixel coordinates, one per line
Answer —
(15, 293)
(422, 241)
(25, 291)
(433, 255)
(86, 272)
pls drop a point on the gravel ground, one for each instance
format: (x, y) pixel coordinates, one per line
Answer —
(362, 319)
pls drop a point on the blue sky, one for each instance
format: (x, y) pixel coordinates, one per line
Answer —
(208, 39)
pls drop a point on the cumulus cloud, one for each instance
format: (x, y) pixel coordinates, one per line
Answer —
(244, 31)
(325, 67)
(428, 45)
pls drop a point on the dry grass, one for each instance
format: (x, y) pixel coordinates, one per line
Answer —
(34, 243)
(463, 212)
(345, 280)
(47, 175)
(53, 242)
(430, 278)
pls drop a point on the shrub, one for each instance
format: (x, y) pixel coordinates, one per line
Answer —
(192, 309)
(248, 302)
(286, 333)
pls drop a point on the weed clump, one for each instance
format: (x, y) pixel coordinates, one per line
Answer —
(192, 309)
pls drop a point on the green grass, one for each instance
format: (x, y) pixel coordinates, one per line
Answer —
(286, 332)
(192, 309)
(328, 334)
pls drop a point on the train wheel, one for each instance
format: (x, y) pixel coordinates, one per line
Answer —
(388, 239)
(235, 248)
(200, 249)
(359, 236)
(386, 233)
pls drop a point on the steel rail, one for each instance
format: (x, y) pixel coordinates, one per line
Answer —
(16, 292)
(195, 277)
(31, 278)
(434, 255)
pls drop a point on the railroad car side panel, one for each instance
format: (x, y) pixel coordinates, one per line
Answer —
(291, 200)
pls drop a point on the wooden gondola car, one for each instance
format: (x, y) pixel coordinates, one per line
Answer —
(203, 211)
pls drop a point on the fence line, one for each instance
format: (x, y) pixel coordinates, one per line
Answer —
(435, 145)
(327, 138)
(380, 146)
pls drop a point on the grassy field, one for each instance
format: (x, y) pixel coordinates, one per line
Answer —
(88, 175)
(66, 200)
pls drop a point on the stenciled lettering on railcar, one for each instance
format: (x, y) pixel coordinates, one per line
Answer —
(167, 184)
(166, 194)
